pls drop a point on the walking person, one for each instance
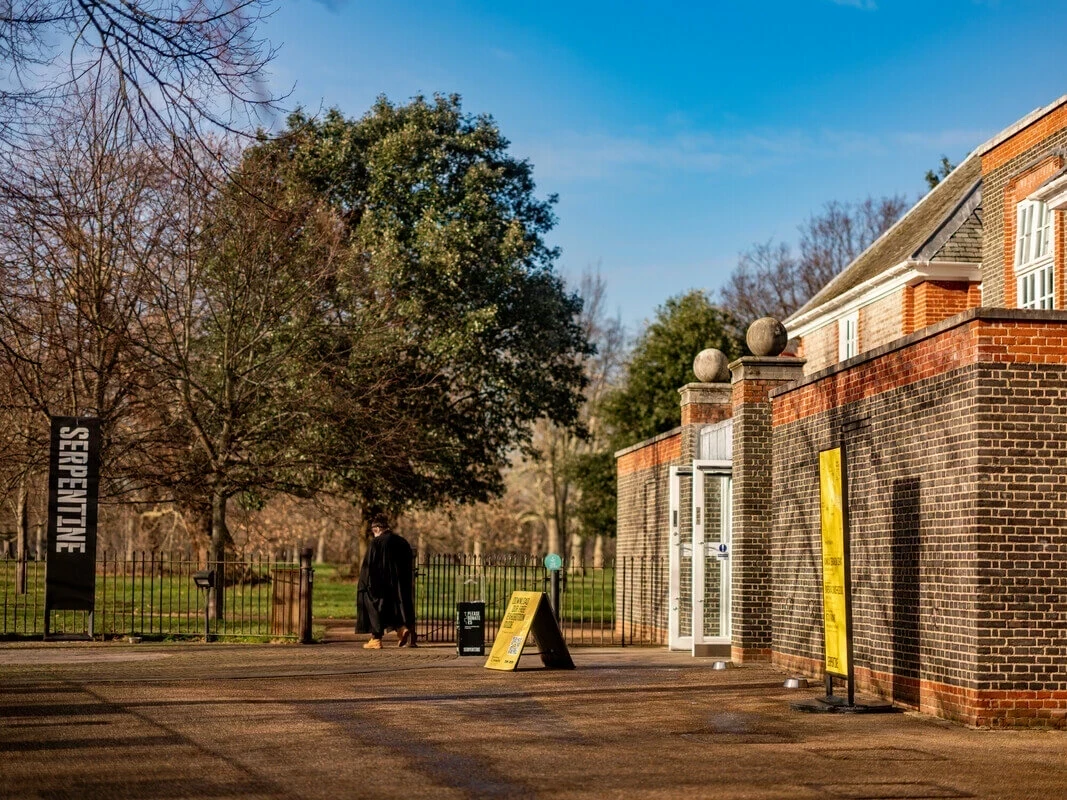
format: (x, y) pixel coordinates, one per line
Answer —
(385, 598)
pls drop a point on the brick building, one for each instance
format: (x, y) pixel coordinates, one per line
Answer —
(938, 361)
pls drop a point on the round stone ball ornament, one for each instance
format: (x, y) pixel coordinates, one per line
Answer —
(766, 337)
(710, 366)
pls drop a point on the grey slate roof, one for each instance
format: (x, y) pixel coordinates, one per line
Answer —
(927, 232)
(965, 244)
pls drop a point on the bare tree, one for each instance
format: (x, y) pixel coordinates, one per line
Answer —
(231, 327)
(183, 66)
(552, 471)
(77, 227)
(770, 281)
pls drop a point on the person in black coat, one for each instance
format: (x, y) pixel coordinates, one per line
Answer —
(385, 599)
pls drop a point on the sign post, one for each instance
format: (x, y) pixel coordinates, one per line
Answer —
(553, 563)
(836, 570)
(529, 612)
(73, 488)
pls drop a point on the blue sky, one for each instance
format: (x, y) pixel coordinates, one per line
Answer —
(679, 134)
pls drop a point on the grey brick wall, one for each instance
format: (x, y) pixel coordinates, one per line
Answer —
(956, 440)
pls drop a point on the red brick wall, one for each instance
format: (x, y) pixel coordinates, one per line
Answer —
(704, 414)
(642, 533)
(956, 439)
(1010, 171)
(1018, 188)
(938, 300)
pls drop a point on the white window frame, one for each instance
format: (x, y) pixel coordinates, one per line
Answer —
(848, 336)
(1034, 262)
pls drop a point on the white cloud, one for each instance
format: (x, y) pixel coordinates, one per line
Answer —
(961, 141)
(573, 155)
(596, 155)
(863, 5)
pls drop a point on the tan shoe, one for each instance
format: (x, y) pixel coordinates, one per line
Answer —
(373, 644)
(403, 635)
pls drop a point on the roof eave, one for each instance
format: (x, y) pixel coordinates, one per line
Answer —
(906, 273)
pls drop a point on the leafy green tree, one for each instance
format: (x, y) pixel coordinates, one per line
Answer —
(943, 169)
(449, 257)
(662, 362)
(234, 325)
(594, 475)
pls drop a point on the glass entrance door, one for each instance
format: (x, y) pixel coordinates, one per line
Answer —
(712, 486)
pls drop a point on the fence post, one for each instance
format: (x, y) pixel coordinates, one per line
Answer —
(307, 574)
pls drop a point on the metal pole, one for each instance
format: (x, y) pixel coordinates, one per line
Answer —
(554, 582)
(306, 577)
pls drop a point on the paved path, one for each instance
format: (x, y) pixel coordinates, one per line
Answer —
(336, 721)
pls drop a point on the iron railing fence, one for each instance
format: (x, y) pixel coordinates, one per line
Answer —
(153, 594)
(615, 604)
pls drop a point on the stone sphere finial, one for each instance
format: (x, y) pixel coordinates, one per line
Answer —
(766, 337)
(710, 366)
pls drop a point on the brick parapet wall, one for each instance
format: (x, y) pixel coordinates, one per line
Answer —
(753, 380)
(957, 448)
(642, 478)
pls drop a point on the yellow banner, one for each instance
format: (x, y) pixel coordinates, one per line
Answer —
(514, 628)
(834, 599)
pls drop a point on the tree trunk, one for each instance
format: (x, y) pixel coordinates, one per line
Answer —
(598, 551)
(363, 538)
(131, 534)
(39, 527)
(576, 557)
(22, 533)
(422, 548)
(535, 537)
(320, 551)
(217, 556)
(553, 535)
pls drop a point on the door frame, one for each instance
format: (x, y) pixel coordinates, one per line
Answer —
(675, 639)
(724, 471)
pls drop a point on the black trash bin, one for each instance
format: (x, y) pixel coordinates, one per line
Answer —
(470, 628)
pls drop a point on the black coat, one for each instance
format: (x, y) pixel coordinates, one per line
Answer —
(387, 583)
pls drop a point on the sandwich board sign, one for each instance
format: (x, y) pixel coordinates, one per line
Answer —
(529, 612)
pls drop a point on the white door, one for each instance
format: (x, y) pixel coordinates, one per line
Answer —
(680, 584)
(712, 488)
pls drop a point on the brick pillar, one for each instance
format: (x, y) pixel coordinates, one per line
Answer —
(753, 379)
(702, 404)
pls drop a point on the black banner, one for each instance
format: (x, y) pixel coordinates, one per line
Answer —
(73, 485)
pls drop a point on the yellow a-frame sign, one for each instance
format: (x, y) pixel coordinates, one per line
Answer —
(529, 612)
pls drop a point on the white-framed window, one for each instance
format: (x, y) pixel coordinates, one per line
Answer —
(848, 336)
(1033, 255)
